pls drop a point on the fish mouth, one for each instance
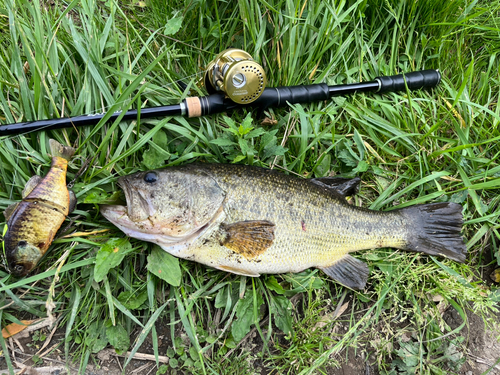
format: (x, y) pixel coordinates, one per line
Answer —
(144, 230)
(140, 207)
(136, 219)
(23, 259)
(20, 270)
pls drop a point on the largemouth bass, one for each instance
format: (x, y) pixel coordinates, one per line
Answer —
(33, 222)
(250, 221)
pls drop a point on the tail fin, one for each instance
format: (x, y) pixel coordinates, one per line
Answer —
(57, 149)
(436, 230)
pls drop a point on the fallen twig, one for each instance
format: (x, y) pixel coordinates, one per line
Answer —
(483, 361)
(138, 356)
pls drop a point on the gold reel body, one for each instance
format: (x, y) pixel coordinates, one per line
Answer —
(235, 73)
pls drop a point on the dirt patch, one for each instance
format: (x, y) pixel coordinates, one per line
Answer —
(482, 346)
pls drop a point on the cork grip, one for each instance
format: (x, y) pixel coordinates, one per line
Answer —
(193, 106)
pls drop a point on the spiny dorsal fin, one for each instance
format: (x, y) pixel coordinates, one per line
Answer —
(57, 149)
(30, 185)
(10, 210)
(344, 186)
(249, 238)
(348, 271)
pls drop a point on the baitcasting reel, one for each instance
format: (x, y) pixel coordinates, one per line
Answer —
(236, 74)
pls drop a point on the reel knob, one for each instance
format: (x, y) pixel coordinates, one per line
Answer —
(235, 73)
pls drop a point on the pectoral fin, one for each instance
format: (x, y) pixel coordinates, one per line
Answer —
(249, 238)
(72, 201)
(30, 185)
(343, 186)
(348, 271)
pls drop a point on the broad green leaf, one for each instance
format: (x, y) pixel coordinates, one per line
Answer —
(99, 196)
(273, 284)
(409, 353)
(165, 266)
(131, 300)
(280, 308)
(99, 344)
(245, 315)
(173, 26)
(255, 133)
(238, 158)
(362, 167)
(157, 154)
(246, 125)
(118, 337)
(221, 297)
(110, 255)
(222, 142)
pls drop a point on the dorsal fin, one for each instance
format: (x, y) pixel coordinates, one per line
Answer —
(10, 210)
(30, 185)
(249, 238)
(343, 186)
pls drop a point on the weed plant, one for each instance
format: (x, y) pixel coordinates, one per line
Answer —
(85, 57)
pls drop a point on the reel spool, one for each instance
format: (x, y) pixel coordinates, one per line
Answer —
(235, 73)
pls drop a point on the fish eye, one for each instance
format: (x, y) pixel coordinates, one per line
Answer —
(150, 177)
(16, 267)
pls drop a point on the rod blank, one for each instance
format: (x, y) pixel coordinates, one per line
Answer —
(216, 103)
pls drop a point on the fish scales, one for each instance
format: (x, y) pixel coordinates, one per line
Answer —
(313, 225)
(33, 223)
(250, 220)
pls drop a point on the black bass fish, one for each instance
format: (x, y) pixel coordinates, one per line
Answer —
(33, 222)
(250, 221)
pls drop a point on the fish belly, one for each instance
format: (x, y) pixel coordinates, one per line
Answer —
(305, 242)
(34, 222)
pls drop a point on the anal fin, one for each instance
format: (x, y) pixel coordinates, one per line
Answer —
(348, 271)
(237, 271)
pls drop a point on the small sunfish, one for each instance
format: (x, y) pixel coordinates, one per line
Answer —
(33, 222)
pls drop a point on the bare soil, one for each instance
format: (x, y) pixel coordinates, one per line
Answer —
(481, 347)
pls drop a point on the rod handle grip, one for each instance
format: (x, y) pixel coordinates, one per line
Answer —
(281, 96)
(424, 79)
(271, 97)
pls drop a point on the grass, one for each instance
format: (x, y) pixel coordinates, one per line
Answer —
(60, 58)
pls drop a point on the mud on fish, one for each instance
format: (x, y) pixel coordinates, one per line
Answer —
(249, 221)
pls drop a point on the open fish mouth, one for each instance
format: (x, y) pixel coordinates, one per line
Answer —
(138, 208)
(146, 231)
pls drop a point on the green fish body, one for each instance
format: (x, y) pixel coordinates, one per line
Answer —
(250, 221)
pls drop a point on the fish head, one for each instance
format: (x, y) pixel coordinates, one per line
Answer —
(22, 257)
(167, 205)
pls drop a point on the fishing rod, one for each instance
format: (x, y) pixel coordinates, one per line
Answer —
(234, 80)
